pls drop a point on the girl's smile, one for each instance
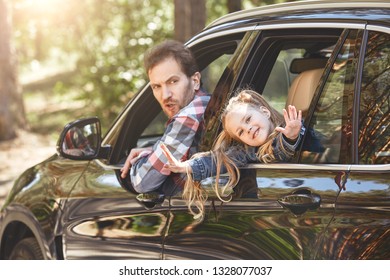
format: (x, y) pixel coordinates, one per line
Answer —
(249, 125)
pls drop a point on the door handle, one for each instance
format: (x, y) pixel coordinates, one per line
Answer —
(299, 203)
(151, 199)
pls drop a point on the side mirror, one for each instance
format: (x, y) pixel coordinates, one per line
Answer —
(81, 140)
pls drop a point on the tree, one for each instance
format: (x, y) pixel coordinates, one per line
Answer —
(190, 18)
(234, 5)
(12, 115)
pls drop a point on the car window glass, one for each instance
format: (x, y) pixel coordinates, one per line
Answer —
(212, 74)
(280, 78)
(374, 131)
(329, 133)
(282, 55)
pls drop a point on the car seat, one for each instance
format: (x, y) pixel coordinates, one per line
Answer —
(302, 89)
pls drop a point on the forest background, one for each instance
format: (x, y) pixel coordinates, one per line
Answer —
(63, 60)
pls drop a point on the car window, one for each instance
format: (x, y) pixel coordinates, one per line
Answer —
(280, 78)
(374, 131)
(282, 55)
(212, 74)
(142, 122)
(330, 127)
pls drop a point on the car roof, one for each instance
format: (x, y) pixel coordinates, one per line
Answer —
(311, 9)
(358, 11)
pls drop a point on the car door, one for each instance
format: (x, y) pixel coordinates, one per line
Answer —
(285, 210)
(360, 228)
(102, 217)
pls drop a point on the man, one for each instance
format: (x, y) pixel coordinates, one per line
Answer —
(176, 84)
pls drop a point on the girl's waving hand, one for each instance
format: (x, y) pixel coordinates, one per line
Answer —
(173, 164)
(293, 120)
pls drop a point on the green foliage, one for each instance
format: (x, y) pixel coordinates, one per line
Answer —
(100, 42)
(113, 43)
(215, 9)
(95, 48)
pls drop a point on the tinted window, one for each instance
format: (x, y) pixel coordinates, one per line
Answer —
(281, 56)
(331, 122)
(280, 78)
(374, 137)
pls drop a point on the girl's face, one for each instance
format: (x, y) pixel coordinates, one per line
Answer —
(250, 125)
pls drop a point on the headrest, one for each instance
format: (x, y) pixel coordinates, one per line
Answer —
(299, 65)
(303, 88)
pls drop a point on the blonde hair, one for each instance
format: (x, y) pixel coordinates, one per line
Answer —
(193, 192)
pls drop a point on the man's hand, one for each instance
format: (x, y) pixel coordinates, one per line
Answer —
(173, 164)
(132, 158)
(293, 121)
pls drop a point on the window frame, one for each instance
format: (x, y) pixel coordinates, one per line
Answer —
(123, 134)
(350, 167)
(356, 120)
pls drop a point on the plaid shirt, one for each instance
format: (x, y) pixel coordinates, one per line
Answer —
(182, 136)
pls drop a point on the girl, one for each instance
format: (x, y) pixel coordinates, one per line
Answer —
(253, 131)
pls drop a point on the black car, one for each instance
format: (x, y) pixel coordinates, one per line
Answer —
(330, 59)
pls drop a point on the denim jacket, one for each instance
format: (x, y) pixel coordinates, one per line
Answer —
(205, 166)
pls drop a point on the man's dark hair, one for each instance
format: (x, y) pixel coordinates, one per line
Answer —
(174, 49)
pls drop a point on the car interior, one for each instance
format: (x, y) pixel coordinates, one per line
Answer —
(295, 66)
(212, 58)
(295, 62)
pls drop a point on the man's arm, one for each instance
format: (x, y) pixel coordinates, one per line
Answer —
(132, 158)
(148, 172)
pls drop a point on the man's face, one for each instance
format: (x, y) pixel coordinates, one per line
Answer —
(171, 87)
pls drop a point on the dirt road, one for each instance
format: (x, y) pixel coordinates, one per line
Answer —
(19, 154)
